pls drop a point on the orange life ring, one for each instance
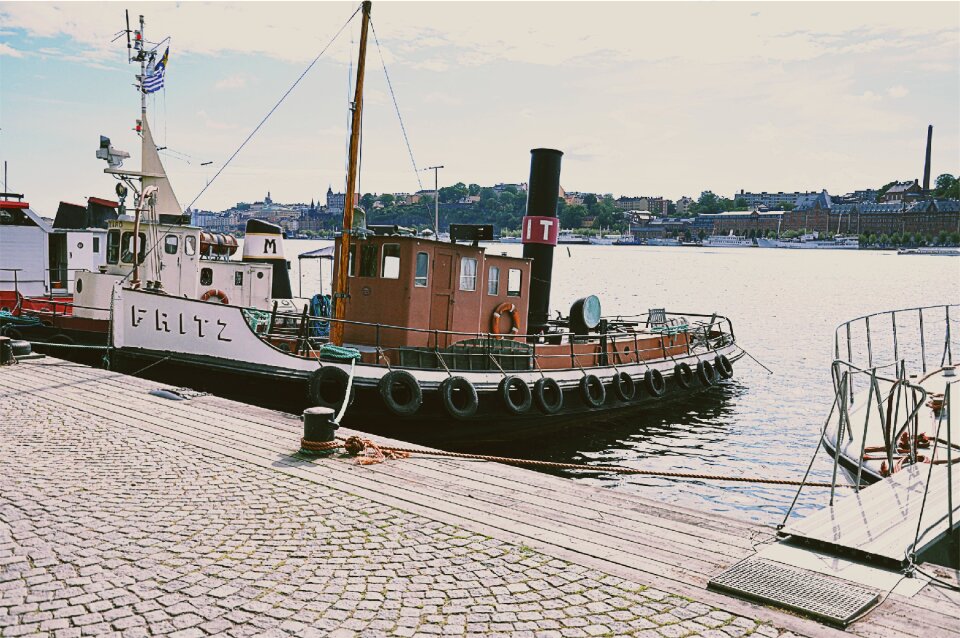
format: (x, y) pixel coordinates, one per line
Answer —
(510, 309)
(219, 294)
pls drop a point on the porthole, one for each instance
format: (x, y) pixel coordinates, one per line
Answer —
(79, 285)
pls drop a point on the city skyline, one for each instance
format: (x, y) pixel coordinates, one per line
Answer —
(643, 98)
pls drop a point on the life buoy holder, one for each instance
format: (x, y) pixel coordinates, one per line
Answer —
(219, 294)
(505, 308)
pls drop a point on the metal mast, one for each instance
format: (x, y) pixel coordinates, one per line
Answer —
(341, 287)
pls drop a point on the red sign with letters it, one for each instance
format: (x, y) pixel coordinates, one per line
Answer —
(540, 230)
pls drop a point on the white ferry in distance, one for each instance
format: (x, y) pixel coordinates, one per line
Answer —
(728, 241)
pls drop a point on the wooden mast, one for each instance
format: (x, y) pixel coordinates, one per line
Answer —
(341, 288)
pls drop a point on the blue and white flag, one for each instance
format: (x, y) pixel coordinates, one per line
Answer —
(154, 80)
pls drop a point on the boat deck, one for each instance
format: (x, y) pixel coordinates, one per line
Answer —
(63, 425)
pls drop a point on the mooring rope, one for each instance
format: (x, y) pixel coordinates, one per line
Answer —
(357, 445)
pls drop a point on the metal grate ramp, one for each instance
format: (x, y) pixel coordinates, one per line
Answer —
(879, 524)
(832, 600)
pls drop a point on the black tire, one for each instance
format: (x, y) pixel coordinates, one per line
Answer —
(548, 396)
(706, 373)
(20, 347)
(515, 395)
(400, 392)
(684, 375)
(624, 387)
(723, 366)
(459, 397)
(654, 383)
(327, 386)
(592, 391)
(13, 333)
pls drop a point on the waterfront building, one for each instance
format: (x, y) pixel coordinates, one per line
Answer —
(335, 201)
(771, 200)
(903, 191)
(743, 223)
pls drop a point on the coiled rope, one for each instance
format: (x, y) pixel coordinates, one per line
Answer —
(369, 452)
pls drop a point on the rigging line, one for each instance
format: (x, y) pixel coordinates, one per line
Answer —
(396, 106)
(276, 106)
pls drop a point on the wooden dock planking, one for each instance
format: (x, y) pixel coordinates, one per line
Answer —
(669, 548)
(488, 475)
(686, 566)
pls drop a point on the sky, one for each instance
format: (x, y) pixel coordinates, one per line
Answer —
(643, 98)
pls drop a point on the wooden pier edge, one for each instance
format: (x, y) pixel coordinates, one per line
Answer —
(586, 525)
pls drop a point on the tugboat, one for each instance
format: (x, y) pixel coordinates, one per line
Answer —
(437, 340)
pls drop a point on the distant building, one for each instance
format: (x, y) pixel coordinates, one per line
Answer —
(335, 201)
(903, 191)
(684, 204)
(771, 200)
(656, 205)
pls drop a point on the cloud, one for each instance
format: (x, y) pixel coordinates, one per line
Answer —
(6, 49)
(214, 124)
(231, 82)
(898, 91)
(446, 99)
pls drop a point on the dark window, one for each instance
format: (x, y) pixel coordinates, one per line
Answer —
(126, 243)
(493, 281)
(238, 278)
(351, 267)
(96, 244)
(170, 244)
(423, 267)
(368, 260)
(513, 282)
(113, 246)
(468, 273)
(206, 276)
(391, 261)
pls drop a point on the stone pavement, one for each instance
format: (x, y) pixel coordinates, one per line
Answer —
(106, 530)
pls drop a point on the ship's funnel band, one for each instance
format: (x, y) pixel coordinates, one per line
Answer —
(263, 246)
(540, 230)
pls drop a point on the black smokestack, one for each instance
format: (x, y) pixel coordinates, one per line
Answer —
(263, 243)
(540, 231)
(926, 164)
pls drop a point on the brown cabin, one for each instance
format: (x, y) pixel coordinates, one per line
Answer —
(429, 287)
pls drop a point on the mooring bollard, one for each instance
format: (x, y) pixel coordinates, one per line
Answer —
(6, 351)
(318, 432)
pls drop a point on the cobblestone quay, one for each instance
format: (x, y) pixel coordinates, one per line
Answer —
(127, 514)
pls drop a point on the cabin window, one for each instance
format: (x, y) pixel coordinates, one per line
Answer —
(351, 270)
(493, 281)
(189, 245)
(206, 276)
(391, 261)
(113, 246)
(170, 244)
(126, 243)
(468, 273)
(96, 244)
(238, 278)
(513, 282)
(423, 267)
(368, 260)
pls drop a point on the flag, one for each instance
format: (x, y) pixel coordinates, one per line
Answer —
(154, 79)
